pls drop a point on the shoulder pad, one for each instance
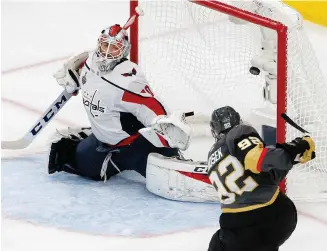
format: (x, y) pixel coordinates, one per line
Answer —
(132, 79)
(240, 130)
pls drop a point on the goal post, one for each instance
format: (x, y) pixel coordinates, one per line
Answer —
(250, 17)
(134, 33)
(196, 59)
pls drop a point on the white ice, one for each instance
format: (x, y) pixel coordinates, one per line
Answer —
(34, 32)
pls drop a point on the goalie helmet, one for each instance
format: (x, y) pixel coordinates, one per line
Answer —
(113, 45)
(223, 120)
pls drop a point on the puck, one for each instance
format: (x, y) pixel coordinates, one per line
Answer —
(254, 70)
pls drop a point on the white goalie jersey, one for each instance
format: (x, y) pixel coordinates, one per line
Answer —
(118, 103)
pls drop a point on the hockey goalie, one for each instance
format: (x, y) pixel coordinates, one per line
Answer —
(130, 128)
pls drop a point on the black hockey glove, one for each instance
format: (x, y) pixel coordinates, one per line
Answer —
(62, 152)
(301, 149)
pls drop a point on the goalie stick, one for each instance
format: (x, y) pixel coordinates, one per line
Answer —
(39, 124)
(62, 99)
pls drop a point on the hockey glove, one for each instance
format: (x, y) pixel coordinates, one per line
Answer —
(63, 147)
(301, 149)
(172, 128)
(68, 75)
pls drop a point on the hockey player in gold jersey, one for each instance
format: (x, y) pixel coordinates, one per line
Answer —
(256, 216)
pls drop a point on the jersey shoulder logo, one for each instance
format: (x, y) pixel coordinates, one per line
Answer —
(129, 74)
(147, 90)
(84, 79)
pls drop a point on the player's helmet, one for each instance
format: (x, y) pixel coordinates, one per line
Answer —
(113, 46)
(223, 120)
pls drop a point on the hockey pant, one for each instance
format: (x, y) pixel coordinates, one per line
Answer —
(94, 157)
(264, 229)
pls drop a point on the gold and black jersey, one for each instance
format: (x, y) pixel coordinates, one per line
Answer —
(244, 171)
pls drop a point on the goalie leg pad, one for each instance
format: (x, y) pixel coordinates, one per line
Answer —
(181, 180)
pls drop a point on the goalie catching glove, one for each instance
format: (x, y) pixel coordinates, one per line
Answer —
(68, 75)
(302, 149)
(168, 131)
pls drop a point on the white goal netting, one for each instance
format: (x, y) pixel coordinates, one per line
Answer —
(196, 59)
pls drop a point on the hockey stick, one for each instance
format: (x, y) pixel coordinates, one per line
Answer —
(130, 21)
(292, 123)
(39, 125)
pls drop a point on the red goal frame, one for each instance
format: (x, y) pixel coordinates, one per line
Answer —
(253, 18)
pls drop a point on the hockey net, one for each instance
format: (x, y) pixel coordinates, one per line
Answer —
(196, 59)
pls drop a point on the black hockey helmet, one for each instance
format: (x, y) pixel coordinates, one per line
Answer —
(224, 119)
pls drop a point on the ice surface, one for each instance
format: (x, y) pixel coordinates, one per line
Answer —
(121, 206)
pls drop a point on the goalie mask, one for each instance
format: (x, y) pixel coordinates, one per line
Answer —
(113, 46)
(223, 120)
